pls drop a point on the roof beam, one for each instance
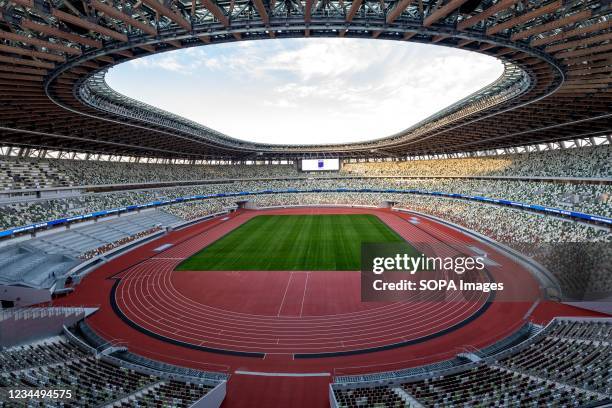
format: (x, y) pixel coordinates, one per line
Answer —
(606, 25)
(119, 15)
(578, 43)
(56, 32)
(21, 70)
(355, 5)
(145, 47)
(475, 19)
(262, 11)
(584, 51)
(24, 3)
(443, 12)
(589, 59)
(125, 53)
(39, 43)
(523, 18)
(174, 43)
(34, 54)
(562, 22)
(171, 14)
(504, 51)
(308, 10)
(486, 46)
(216, 11)
(438, 38)
(398, 10)
(106, 58)
(21, 77)
(30, 63)
(69, 18)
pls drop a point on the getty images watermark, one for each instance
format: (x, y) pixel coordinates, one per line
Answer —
(398, 272)
(570, 271)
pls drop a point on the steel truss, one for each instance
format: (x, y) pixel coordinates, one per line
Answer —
(54, 54)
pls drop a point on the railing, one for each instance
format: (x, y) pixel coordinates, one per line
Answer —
(343, 375)
(39, 312)
(205, 377)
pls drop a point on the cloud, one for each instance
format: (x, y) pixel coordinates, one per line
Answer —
(307, 90)
(167, 62)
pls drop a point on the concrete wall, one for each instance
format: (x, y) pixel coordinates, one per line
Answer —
(23, 296)
(213, 399)
(20, 330)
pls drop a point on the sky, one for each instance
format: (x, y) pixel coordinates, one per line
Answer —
(306, 91)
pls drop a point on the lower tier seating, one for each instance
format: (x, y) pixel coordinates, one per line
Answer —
(568, 364)
(57, 363)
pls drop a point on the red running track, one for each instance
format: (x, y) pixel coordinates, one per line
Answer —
(299, 312)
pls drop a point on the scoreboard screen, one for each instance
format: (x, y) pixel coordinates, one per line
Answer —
(320, 164)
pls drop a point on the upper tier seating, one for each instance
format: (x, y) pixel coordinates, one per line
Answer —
(23, 173)
(581, 162)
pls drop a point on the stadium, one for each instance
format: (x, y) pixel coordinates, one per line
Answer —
(150, 260)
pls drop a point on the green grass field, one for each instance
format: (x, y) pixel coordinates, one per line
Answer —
(294, 243)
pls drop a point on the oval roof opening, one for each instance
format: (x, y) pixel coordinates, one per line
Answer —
(306, 91)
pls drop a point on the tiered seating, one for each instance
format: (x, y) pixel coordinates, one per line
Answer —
(11, 254)
(77, 241)
(92, 338)
(525, 332)
(599, 331)
(594, 198)
(21, 264)
(51, 351)
(405, 372)
(585, 363)
(171, 394)
(511, 226)
(27, 173)
(100, 172)
(368, 397)
(566, 365)
(39, 261)
(582, 162)
(58, 364)
(93, 381)
(485, 386)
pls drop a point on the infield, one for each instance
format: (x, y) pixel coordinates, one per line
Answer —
(294, 243)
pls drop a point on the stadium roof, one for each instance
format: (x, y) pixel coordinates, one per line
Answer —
(54, 55)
